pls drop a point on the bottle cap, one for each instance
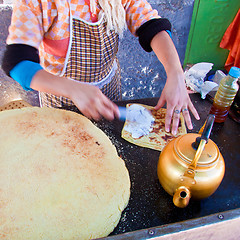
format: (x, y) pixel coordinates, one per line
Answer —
(234, 72)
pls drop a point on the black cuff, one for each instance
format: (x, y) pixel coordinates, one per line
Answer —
(149, 29)
(15, 53)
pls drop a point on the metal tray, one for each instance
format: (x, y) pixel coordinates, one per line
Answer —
(151, 212)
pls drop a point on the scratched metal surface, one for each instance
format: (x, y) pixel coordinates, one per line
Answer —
(150, 206)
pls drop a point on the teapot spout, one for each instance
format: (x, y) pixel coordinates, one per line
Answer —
(181, 197)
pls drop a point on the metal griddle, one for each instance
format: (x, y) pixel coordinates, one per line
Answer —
(150, 207)
(151, 212)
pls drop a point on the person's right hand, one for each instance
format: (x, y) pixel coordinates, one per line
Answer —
(88, 98)
(93, 103)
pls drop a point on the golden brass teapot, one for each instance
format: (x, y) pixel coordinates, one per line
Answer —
(191, 166)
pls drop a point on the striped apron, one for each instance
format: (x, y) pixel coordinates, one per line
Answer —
(91, 58)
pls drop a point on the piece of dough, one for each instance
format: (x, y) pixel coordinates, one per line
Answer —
(61, 177)
(157, 138)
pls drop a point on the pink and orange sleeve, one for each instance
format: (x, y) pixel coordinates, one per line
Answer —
(26, 25)
(137, 13)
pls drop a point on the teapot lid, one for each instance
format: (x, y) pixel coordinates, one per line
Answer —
(183, 148)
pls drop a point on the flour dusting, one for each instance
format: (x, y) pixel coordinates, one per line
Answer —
(139, 121)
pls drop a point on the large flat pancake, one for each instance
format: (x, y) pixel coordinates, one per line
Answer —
(61, 177)
(157, 138)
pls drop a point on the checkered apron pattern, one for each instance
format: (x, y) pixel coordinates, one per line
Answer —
(91, 59)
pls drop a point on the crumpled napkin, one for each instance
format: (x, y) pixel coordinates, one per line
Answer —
(194, 78)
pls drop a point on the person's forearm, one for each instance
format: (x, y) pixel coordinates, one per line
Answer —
(47, 82)
(174, 94)
(166, 52)
(88, 99)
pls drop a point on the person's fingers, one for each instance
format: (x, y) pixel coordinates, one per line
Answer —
(187, 118)
(90, 112)
(108, 109)
(168, 118)
(193, 110)
(160, 103)
(116, 111)
(175, 120)
(95, 105)
(95, 115)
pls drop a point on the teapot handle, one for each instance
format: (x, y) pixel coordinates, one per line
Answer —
(182, 194)
(208, 127)
(201, 141)
(205, 132)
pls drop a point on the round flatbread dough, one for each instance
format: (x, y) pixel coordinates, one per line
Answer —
(61, 177)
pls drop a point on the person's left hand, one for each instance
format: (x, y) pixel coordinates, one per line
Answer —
(176, 96)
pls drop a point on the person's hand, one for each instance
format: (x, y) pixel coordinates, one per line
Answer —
(93, 103)
(174, 92)
(88, 99)
(177, 99)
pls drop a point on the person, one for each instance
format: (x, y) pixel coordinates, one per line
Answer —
(66, 50)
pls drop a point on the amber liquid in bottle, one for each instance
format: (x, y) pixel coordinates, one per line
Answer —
(220, 112)
(224, 97)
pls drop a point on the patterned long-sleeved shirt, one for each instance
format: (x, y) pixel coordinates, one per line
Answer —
(45, 25)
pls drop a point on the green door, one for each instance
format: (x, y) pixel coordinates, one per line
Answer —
(210, 20)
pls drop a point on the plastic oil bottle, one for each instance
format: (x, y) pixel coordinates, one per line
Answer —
(225, 95)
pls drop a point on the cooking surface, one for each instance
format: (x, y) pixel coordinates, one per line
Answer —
(149, 205)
